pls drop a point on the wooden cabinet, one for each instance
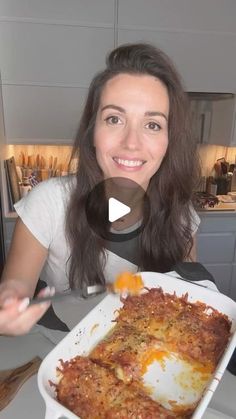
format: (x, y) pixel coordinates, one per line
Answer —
(216, 249)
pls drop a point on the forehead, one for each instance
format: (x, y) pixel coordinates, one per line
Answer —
(128, 87)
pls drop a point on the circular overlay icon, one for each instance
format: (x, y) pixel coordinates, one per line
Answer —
(117, 209)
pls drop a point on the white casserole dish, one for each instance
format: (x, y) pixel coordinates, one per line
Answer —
(97, 324)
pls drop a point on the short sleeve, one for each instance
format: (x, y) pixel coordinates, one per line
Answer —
(195, 220)
(39, 210)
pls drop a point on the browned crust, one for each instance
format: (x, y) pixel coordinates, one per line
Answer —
(196, 332)
(91, 392)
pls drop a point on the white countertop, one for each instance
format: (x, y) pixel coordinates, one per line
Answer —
(29, 404)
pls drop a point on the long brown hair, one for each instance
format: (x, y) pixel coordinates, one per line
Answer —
(167, 236)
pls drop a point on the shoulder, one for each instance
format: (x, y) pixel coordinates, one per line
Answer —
(56, 186)
(54, 190)
(43, 209)
(49, 198)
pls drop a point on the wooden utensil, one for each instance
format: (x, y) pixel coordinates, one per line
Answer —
(50, 162)
(11, 380)
(23, 159)
(37, 161)
(54, 168)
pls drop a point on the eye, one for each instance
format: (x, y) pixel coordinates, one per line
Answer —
(113, 120)
(153, 126)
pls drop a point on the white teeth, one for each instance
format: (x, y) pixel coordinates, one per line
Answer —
(129, 163)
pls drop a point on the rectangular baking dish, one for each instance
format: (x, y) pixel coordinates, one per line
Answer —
(99, 322)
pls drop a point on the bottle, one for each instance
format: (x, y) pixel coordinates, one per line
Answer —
(233, 180)
(211, 186)
(25, 187)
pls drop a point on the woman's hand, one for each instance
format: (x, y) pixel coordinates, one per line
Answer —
(25, 260)
(16, 318)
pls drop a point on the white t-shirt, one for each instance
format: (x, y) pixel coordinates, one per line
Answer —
(43, 211)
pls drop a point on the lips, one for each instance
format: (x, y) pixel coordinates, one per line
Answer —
(134, 163)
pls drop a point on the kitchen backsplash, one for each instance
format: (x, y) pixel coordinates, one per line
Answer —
(208, 155)
(44, 156)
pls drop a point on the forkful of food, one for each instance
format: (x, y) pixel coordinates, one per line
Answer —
(126, 283)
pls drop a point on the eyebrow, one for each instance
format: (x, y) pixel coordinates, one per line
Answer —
(122, 110)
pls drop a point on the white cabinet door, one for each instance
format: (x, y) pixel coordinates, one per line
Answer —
(48, 114)
(49, 52)
(233, 133)
(199, 36)
(88, 12)
(215, 247)
(201, 115)
(222, 121)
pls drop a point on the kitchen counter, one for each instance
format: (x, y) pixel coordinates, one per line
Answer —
(40, 341)
(222, 207)
(216, 248)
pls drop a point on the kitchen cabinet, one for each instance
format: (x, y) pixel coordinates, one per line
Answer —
(233, 133)
(49, 52)
(199, 36)
(216, 248)
(57, 111)
(233, 282)
(222, 122)
(212, 118)
(9, 225)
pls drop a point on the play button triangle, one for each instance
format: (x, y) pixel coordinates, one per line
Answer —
(116, 209)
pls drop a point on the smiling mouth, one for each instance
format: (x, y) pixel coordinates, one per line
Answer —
(129, 163)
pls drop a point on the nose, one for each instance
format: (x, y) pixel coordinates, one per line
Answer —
(131, 139)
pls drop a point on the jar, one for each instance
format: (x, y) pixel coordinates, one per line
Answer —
(25, 187)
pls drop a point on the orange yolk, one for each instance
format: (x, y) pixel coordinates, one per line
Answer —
(151, 356)
(128, 282)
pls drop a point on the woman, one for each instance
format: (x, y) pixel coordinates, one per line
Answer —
(135, 125)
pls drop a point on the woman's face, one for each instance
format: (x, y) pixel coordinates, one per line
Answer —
(131, 129)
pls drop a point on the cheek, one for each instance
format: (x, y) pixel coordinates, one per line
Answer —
(96, 137)
(159, 148)
(101, 140)
(102, 148)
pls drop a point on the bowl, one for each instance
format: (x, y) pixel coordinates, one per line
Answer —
(99, 321)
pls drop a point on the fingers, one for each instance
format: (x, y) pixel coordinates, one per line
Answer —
(27, 319)
(47, 292)
(17, 318)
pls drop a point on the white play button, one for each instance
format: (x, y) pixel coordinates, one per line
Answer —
(116, 209)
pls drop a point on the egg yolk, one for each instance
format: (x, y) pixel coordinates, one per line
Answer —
(128, 282)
